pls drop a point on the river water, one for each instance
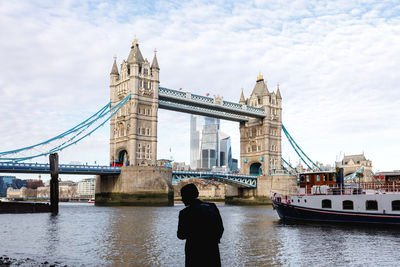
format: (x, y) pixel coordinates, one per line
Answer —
(85, 235)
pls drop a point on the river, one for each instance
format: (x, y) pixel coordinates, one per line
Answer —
(85, 235)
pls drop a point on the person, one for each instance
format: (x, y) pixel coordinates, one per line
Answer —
(200, 223)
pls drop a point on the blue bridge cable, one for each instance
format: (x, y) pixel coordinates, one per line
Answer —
(297, 152)
(116, 108)
(290, 137)
(75, 128)
(84, 124)
(87, 126)
(289, 165)
(286, 132)
(288, 170)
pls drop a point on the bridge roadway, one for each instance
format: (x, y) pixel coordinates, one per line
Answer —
(234, 179)
(206, 106)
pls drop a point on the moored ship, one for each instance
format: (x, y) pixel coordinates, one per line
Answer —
(324, 197)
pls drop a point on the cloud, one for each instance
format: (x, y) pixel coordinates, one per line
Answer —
(336, 63)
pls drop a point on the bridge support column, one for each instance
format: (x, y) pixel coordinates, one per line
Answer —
(136, 186)
(282, 184)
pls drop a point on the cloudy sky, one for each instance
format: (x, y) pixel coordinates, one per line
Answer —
(337, 63)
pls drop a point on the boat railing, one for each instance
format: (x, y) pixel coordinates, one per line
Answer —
(352, 189)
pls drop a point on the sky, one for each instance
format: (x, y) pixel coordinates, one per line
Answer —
(337, 64)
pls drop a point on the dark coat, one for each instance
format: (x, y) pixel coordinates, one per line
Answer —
(201, 225)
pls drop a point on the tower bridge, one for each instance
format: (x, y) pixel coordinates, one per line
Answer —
(135, 97)
(133, 132)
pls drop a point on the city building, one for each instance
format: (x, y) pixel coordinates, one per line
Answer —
(235, 165)
(352, 163)
(10, 182)
(33, 184)
(209, 146)
(180, 166)
(86, 188)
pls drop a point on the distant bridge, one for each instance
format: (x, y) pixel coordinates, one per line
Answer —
(234, 179)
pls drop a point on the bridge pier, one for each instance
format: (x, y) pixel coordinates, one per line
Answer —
(282, 184)
(136, 186)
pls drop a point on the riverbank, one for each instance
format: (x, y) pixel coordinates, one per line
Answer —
(7, 261)
(24, 207)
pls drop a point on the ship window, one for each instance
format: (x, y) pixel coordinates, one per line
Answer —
(396, 205)
(305, 200)
(308, 178)
(298, 200)
(318, 178)
(326, 204)
(371, 205)
(348, 205)
(330, 176)
(301, 178)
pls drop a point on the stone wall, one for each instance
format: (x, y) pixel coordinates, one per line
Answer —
(207, 189)
(136, 185)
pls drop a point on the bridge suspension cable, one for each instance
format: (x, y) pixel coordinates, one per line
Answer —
(299, 151)
(290, 171)
(72, 136)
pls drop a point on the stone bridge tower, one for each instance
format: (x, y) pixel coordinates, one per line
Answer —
(133, 130)
(133, 137)
(260, 139)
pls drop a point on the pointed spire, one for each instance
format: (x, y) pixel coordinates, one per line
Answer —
(154, 65)
(135, 56)
(278, 93)
(259, 88)
(242, 100)
(260, 77)
(114, 69)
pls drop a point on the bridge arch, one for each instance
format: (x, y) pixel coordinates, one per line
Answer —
(256, 168)
(123, 157)
(238, 180)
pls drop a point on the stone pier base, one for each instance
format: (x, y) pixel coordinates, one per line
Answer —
(136, 186)
(266, 184)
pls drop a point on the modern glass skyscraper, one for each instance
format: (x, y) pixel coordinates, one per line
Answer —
(209, 146)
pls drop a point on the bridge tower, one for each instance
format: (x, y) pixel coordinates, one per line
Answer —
(260, 139)
(133, 130)
(133, 137)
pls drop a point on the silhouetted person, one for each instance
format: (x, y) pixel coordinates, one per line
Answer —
(201, 225)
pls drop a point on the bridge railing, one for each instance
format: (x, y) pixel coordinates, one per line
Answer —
(45, 166)
(209, 100)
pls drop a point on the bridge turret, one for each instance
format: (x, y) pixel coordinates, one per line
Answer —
(242, 99)
(114, 74)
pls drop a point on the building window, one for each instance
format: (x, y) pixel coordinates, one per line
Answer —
(371, 205)
(148, 131)
(326, 204)
(348, 205)
(396, 205)
(254, 132)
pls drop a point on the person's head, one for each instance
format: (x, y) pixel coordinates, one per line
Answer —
(189, 192)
